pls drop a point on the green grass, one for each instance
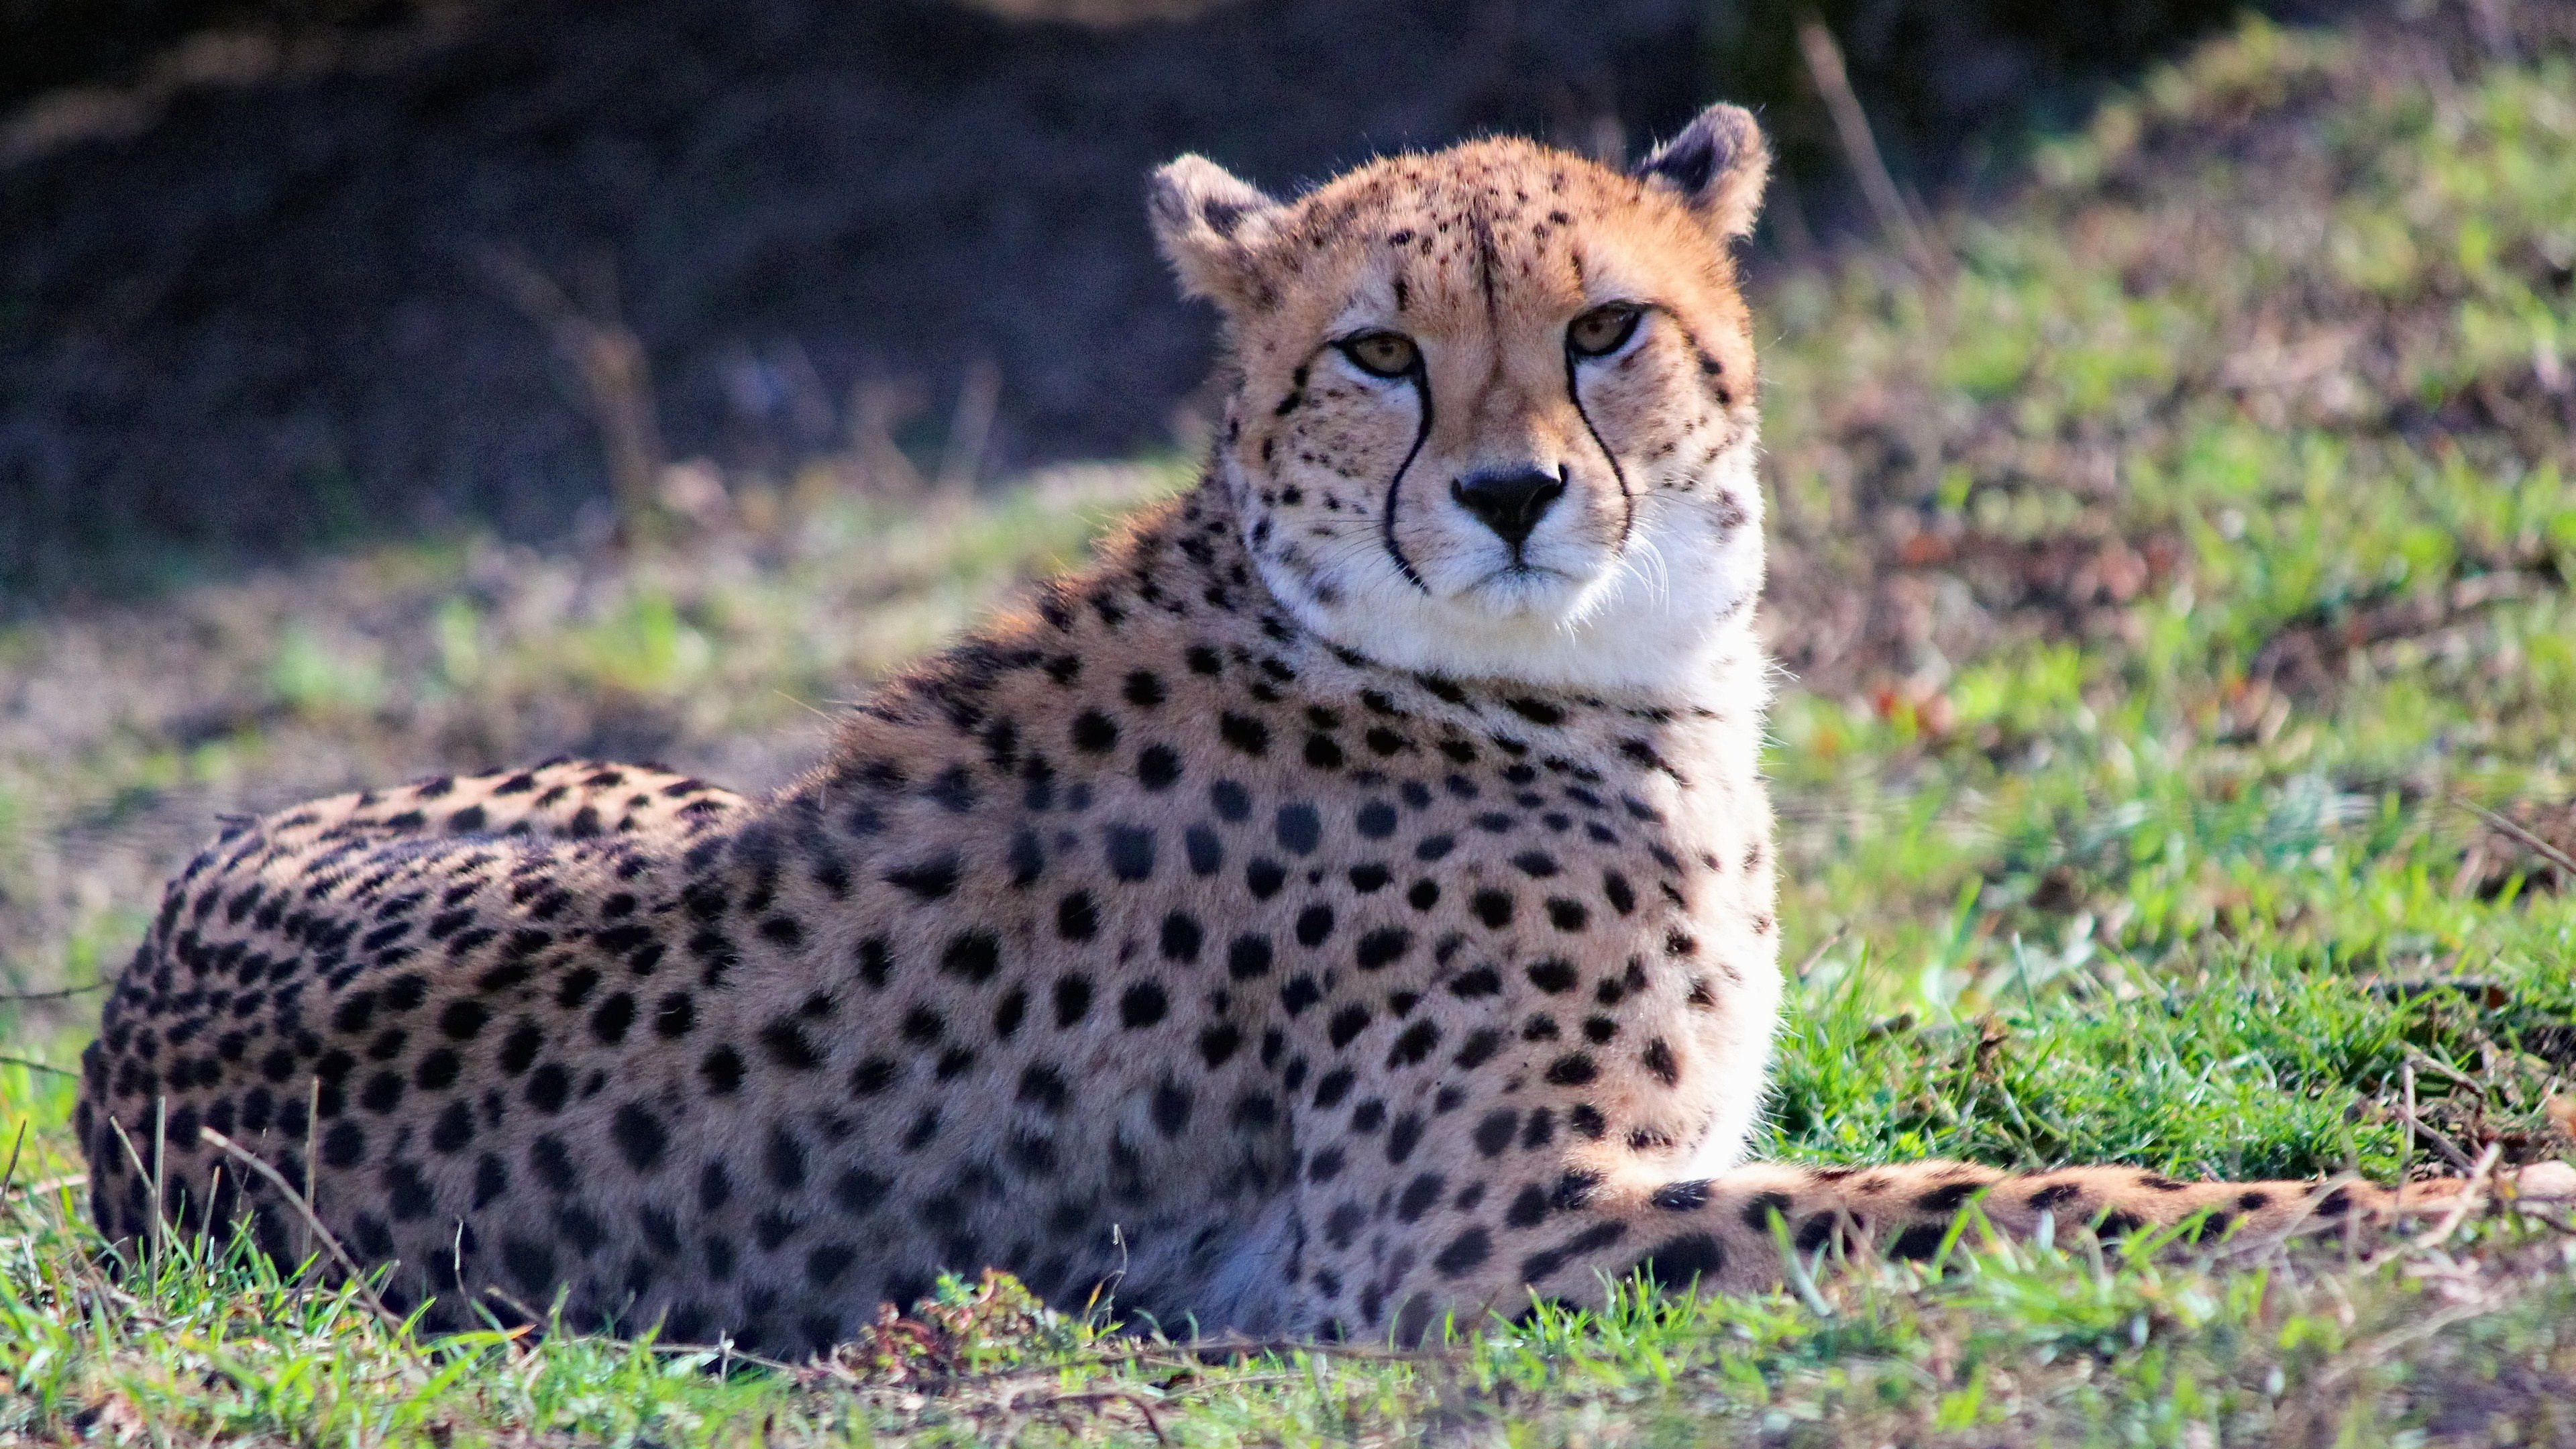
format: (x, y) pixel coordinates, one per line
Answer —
(2158, 584)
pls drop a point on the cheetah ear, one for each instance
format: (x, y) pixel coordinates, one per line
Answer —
(1717, 166)
(1210, 225)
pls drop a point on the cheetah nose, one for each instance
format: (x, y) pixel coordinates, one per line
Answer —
(1509, 501)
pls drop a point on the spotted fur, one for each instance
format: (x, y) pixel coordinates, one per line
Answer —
(1322, 915)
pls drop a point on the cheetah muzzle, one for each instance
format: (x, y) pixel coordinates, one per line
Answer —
(1347, 903)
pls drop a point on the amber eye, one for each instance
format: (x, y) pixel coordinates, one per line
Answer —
(1603, 330)
(1382, 354)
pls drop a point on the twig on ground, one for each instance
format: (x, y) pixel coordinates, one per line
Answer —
(2416, 1127)
(2471, 1194)
(312, 1224)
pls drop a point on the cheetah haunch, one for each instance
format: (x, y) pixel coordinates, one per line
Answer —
(1347, 903)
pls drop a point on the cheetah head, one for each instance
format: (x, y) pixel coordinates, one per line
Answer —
(1492, 409)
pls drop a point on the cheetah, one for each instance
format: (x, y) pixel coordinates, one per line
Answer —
(1347, 904)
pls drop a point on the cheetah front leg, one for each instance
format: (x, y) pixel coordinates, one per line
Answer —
(1563, 1239)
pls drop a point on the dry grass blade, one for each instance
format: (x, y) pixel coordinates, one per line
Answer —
(37, 1066)
(1851, 127)
(19, 998)
(2506, 825)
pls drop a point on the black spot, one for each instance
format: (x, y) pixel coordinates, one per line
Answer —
(1492, 907)
(1181, 937)
(639, 1135)
(1677, 1262)
(1218, 1043)
(1142, 1005)
(972, 956)
(1554, 976)
(1300, 993)
(1567, 915)
(1077, 917)
(1465, 1253)
(1479, 1048)
(1376, 820)
(462, 1019)
(1681, 1197)
(1131, 851)
(1919, 1242)
(824, 1266)
(453, 1130)
(1572, 1070)
(1418, 1196)
(1382, 947)
(1947, 1198)
(1300, 828)
(1247, 957)
(549, 1086)
(1494, 1132)
(1230, 801)
(1347, 1023)
(1044, 1087)
(787, 1045)
(1007, 1013)
(876, 961)
(1171, 1108)
(1415, 1044)
(675, 1015)
(1072, 1000)
(1616, 890)
(1658, 1060)
(784, 1160)
(344, 1144)
(553, 1165)
(1158, 767)
(1094, 733)
(1244, 733)
(858, 1192)
(1312, 926)
(722, 1069)
(614, 1016)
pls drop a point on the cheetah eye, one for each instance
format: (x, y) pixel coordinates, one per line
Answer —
(1382, 354)
(1604, 329)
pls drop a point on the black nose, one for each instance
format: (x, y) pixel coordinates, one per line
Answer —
(1511, 502)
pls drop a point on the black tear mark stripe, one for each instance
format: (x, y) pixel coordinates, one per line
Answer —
(1419, 375)
(1627, 497)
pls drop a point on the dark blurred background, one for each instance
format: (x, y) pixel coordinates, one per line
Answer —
(277, 274)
